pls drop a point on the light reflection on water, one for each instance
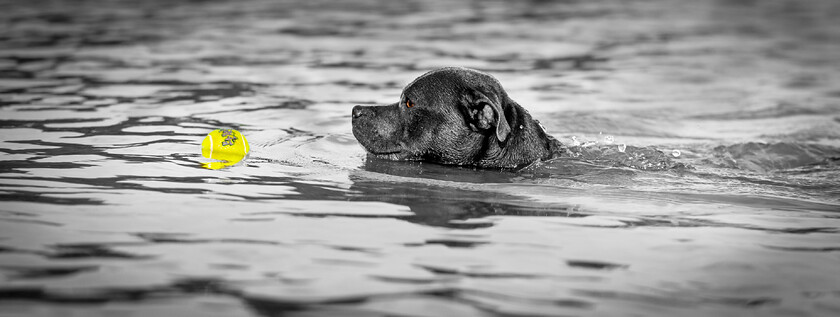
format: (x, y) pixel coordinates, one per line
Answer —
(106, 209)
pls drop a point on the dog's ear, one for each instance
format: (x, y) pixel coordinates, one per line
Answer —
(484, 113)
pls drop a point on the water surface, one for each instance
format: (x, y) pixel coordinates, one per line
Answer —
(106, 209)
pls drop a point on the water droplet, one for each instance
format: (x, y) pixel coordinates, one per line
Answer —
(676, 153)
(622, 147)
(520, 127)
(609, 139)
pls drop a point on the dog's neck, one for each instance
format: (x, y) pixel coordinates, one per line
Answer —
(527, 142)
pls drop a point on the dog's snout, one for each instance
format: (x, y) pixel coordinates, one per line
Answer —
(358, 111)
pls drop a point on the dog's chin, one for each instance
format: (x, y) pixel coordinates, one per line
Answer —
(394, 151)
(393, 156)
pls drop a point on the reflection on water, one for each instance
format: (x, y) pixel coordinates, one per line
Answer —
(106, 210)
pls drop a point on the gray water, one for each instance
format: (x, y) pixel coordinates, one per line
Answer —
(105, 209)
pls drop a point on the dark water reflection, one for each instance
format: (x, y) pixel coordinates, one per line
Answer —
(105, 209)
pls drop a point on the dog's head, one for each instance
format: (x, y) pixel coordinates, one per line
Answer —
(449, 116)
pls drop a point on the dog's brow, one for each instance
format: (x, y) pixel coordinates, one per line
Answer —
(427, 74)
(416, 79)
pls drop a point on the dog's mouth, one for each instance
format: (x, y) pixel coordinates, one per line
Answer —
(383, 148)
(385, 152)
(389, 156)
(378, 143)
(394, 152)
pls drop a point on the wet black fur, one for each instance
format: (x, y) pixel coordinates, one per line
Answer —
(459, 116)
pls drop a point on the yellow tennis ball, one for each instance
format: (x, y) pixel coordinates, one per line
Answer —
(225, 145)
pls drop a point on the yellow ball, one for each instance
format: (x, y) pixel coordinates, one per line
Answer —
(225, 145)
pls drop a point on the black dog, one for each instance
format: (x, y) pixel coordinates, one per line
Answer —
(454, 116)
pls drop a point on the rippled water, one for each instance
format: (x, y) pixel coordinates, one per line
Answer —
(107, 211)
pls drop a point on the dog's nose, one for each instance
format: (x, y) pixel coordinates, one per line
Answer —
(358, 111)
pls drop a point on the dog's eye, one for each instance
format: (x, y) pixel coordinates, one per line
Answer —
(408, 103)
